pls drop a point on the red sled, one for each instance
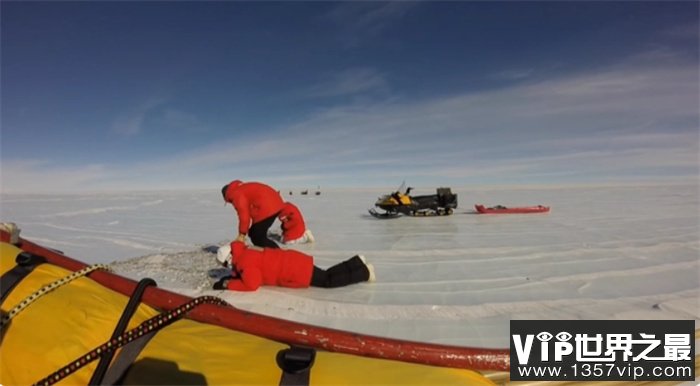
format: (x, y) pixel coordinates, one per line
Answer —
(502, 209)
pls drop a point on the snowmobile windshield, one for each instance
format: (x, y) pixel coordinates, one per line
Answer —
(402, 187)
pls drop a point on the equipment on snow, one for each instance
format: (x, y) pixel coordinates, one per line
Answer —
(211, 248)
(502, 209)
(395, 204)
(218, 273)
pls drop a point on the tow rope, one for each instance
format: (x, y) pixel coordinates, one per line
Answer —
(155, 323)
(46, 289)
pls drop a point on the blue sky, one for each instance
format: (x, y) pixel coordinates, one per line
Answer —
(179, 95)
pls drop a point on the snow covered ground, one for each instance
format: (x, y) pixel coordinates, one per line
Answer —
(613, 252)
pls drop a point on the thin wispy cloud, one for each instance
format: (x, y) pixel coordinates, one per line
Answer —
(132, 122)
(129, 125)
(181, 120)
(360, 21)
(684, 31)
(514, 74)
(348, 82)
(659, 53)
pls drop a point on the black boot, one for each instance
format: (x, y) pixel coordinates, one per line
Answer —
(346, 273)
(356, 262)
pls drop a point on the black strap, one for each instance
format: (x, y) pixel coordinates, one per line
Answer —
(129, 310)
(26, 262)
(125, 359)
(296, 363)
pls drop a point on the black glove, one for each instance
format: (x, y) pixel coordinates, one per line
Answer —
(222, 284)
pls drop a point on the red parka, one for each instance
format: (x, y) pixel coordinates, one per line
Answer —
(253, 201)
(293, 226)
(277, 267)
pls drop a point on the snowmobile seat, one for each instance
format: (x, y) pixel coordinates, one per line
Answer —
(446, 198)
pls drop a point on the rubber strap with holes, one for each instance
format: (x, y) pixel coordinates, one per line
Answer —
(48, 288)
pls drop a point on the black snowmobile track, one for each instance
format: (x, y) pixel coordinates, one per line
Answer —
(433, 212)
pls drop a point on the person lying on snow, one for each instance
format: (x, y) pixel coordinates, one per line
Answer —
(257, 205)
(286, 268)
(293, 227)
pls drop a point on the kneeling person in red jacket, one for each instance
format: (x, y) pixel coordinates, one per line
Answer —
(286, 268)
(257, 206)
(293, 227)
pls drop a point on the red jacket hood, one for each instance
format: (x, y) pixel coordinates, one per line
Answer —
(229, 189)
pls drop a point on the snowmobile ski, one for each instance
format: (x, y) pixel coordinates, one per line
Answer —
(385, 215)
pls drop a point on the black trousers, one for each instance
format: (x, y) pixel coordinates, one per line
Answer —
(348, 272)
(258, 232)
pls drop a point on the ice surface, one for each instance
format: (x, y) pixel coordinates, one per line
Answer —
(613, 252)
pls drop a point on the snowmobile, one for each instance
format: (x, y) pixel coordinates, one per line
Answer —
(395, 204)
